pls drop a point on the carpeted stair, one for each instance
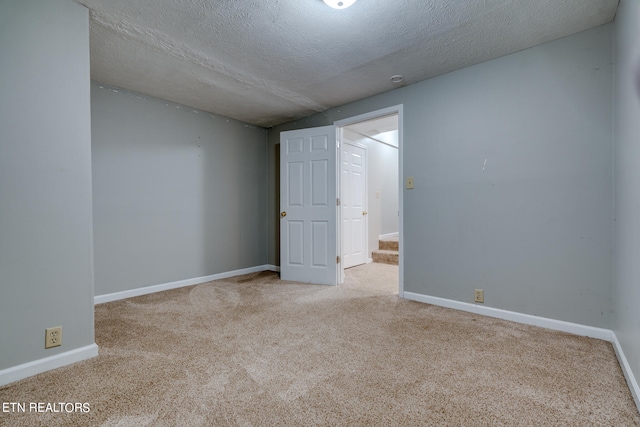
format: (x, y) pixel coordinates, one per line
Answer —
(387, 252)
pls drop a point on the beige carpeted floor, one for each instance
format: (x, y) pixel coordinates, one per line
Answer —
(257, 351)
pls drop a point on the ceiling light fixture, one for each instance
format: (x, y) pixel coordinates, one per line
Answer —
(397, 79)
(339, 4)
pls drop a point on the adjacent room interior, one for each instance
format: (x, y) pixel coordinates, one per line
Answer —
(376, 192)
(523, 163)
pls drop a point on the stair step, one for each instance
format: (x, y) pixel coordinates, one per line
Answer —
(389, 245)
(385, 256)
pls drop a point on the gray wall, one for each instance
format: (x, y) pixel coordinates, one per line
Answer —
(382, 177)
(178, 193)
(387, 181)
(533, 229)
(626, 320)
(46, 261)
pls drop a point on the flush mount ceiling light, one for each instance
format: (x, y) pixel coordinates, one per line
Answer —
(339, 4)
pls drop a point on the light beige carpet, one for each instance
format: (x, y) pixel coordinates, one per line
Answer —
(257, 351)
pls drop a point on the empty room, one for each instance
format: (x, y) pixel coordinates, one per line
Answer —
(319, 212)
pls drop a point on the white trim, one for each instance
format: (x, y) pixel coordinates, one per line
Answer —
(388, 236)
(527, 319)
(25, 370)
(400, 109)
(100, 299)
(626, 370)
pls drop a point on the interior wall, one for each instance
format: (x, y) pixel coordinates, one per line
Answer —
(382, 187)
(512, 162)
(46, 258)
(388, 185)
(178, 193)
(626, 320)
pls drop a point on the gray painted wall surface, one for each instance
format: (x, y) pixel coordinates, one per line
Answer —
(626, 321)
(382, 176)
(46, 261)
(533, 229)
(178, 193)
(388, 182)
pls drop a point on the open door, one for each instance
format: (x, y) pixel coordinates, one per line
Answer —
(308, 206)
(353, 201)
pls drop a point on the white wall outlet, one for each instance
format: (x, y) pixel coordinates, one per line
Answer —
(478, 295)
(53, 337)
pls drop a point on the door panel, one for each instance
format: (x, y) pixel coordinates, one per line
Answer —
(295, 183)
(308, 209)
(319, 182)
(320, 238)
(296, 242)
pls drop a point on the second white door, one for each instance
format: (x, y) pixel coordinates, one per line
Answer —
(354, 205)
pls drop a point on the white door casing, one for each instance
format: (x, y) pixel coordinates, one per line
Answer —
(353, 202)
(308, 208)
(399, 110)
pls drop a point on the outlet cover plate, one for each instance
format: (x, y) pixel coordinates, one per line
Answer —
(53, 337)
(478, 295)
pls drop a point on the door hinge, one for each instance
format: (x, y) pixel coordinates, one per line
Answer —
(338, 259)
(338, 201)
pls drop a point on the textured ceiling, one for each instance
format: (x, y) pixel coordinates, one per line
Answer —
(271, 61)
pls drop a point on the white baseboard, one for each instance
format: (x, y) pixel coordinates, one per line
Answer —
(271, 267)
(39, 366)
(388, 236)
(100, 299)
(527, 319)
(626, 370)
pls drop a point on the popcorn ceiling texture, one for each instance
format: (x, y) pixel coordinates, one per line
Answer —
(269, 62)
(257, 351)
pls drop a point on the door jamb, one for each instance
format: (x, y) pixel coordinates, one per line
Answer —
(396, 109)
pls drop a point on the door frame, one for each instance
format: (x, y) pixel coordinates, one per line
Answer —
(396, 109)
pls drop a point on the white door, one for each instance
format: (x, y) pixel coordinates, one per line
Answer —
(308, 208)
(354, 207)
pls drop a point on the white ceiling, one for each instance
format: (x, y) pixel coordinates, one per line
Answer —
(267, 62)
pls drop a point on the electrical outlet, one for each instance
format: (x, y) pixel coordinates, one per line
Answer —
(478, 295)
(53, 337)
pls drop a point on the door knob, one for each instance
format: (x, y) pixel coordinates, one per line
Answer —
(364, 212)
(283, 214)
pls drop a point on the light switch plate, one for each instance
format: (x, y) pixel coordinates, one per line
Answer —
(409, 182)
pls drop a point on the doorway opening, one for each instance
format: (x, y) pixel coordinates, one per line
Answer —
(311, 217)
(369, 169)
